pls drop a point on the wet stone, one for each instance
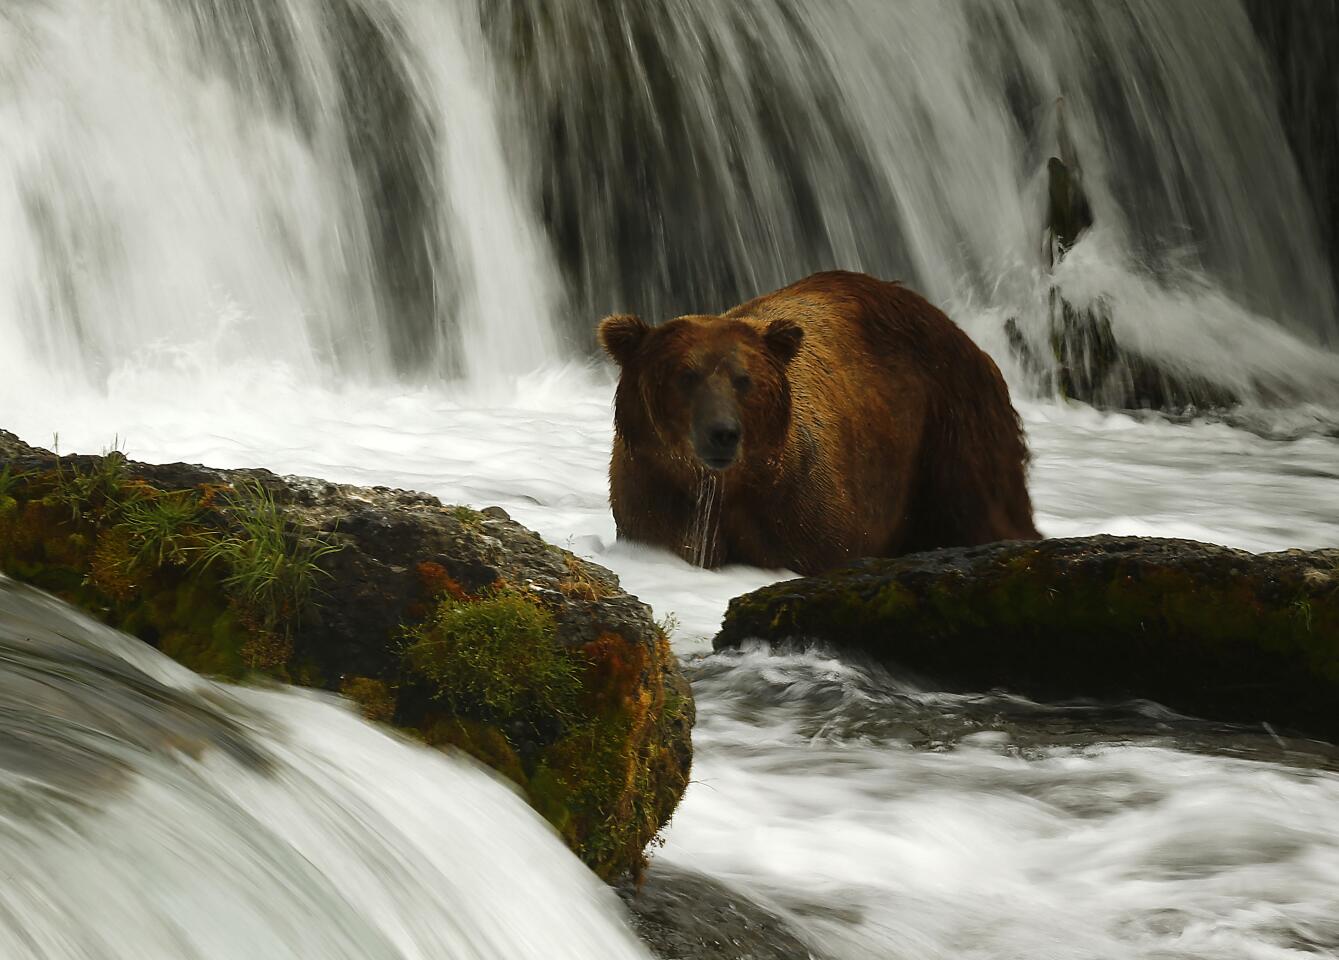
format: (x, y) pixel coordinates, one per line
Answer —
(684, 915)
(1205, 630)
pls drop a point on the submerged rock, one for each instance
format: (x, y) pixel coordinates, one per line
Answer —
(1206, 630)
(460, 626)
(684, 915)
(1087, 363)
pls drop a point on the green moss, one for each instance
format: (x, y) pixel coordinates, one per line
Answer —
(484, 742)
(375, 698)
(472, 519)
(196, 624)
(610, 782)
(9, 482)
(218, 589)
(893, 600)
(593, 723)
(498, 655)
(598, 789)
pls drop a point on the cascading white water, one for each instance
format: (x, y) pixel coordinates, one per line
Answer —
(696, 153)
(370, 188)
(146, 813)
(317, 185)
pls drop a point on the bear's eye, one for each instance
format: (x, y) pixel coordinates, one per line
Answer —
(742, 382)
(688, 378)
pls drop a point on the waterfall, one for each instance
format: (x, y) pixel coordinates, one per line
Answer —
(321, 185)
(378, 189)
(695, 153)
(146, 813)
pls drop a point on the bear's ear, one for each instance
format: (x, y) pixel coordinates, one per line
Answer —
(783, 337)
(621, 335)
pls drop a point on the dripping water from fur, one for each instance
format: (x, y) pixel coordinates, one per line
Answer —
(704, 532)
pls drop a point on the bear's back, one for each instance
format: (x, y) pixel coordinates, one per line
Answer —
(861, 317)
(874, 332)
(905, 389)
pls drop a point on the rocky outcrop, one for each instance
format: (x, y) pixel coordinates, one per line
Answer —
(1087, 363)
(1079, 357)
(462, 627)
(1206, 630)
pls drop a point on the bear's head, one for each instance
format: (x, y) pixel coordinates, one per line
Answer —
(709, 391)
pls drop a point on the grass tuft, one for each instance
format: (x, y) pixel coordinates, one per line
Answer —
(100, 492)
(272, 565)
(163, 529)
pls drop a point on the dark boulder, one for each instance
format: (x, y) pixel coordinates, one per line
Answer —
(1206, 630)
(680, 913)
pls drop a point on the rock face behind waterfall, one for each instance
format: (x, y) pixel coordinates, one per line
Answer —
(1086, 360)
(462, 627)
(1214, 632)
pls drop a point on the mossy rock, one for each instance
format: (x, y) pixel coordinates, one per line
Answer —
(457, 625)
(1214, 632)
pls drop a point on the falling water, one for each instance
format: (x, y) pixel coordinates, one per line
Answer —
(375, 188)
(210, 182)
(757, 141)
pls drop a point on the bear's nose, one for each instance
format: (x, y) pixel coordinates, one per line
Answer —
(724, 436)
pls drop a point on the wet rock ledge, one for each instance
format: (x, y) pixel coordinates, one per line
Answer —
(461, 627)
(1209, 631)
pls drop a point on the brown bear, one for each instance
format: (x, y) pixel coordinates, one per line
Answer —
(839, 417)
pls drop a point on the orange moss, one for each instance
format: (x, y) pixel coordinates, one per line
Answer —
(615, 667)
(436, 582)
(209, 492)
(110, 568)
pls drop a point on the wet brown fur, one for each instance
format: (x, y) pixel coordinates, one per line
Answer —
(888, 432)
